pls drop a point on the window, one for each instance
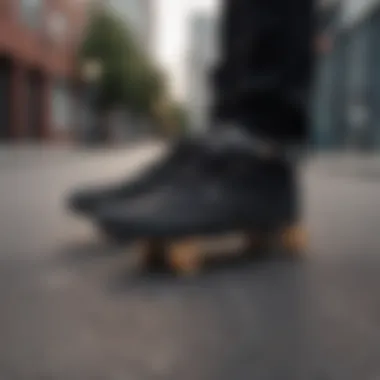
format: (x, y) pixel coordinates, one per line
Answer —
(57, 26)
(32, 12)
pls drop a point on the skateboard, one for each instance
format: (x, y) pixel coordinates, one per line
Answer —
(187, 256)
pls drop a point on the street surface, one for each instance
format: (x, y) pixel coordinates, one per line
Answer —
(72, 307)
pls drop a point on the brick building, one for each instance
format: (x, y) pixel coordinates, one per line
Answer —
(38, 41)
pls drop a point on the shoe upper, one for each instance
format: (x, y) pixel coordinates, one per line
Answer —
(87, 200)
(219, 191)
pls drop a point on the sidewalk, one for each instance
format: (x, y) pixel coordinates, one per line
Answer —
(346, 163)
(24, 155)
(20, 155)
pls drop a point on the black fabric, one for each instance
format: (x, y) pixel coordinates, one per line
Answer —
(227, 193)
(264, 75)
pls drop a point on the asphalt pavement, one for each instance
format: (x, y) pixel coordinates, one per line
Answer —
(73, 307)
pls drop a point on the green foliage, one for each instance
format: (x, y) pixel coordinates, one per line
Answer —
(128, 76)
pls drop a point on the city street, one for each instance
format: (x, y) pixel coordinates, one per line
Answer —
(72, 307)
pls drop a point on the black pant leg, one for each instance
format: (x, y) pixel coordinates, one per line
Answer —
(225, 74)
(266, 66)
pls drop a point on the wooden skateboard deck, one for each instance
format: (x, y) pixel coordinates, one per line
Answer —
(187, 256)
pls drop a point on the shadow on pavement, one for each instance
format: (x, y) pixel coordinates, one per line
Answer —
(214, 271)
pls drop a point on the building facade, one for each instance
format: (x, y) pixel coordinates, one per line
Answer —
(201, 57)
(347, 112)
(38, 43)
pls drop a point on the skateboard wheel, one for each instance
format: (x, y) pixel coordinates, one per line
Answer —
(294, 239)
(184, 258)
(153, 254)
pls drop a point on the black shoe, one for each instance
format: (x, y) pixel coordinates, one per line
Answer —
(228, 190)
(86, 201)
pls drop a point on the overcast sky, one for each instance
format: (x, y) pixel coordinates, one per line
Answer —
(171, 35)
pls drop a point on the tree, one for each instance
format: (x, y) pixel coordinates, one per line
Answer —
(129, 77)
(109, 42)
(150, 87)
